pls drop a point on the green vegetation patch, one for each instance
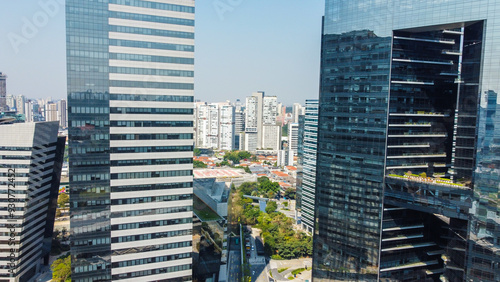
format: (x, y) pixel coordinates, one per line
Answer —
(204, 212)
(282, 269)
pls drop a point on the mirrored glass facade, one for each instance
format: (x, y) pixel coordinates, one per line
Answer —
(130, 67)
(407, 182)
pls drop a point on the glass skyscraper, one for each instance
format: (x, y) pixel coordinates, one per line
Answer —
(306, 177)
(407, 174)
(130, 67)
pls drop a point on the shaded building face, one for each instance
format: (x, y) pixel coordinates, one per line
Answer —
(400, 164)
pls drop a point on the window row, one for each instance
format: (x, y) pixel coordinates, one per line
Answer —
(152, 236)
(154, 5)
(166, 111)
(151, 211)
(157, 149)
(149, 187)
(156, 98)
(150, 31)
(151, 45)
(157, 271)
(151, 260)
(147, 84)
(146, 224)
(150, 18)
(150, 58)
(150, 174)
(164, 136)
(141, 200)
(151, 248)
(151, 162)
(152, 123)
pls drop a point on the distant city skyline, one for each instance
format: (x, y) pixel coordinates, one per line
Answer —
(242, 47)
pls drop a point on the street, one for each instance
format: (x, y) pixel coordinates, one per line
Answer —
(234, 260)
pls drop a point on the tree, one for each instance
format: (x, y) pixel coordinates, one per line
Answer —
(244, 155)
(197, 151)
(62, 200)
(199, 164)
(271, 206)
(290, 193)
(61, 269)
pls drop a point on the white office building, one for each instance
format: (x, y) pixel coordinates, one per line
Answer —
(30, 167)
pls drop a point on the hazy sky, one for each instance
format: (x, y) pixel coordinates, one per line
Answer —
(242, 46)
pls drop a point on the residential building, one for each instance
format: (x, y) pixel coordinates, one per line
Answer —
(130, 71)
(62, 113)
(3, 92)
(214, 125)
(260, 111)
(306, 176)
(51, 112)
(239, 122)
(271, 137)
(226, 123)
(20, 104)
(30, 170)
(207, 125)
(10, 100)
(406, 173)
(293, 137)
(297, 110)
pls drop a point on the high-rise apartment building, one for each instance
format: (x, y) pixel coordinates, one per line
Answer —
(239, 122)
(260, 111)
(51, 112)
(306, 177)
(214, 126)
(62, 113)
(20, 104)
(30, 170)
(10, 100)
(297, 110)
(130, 104)
(407, 177)
(226, 132)
(293, 136)
(3, 92)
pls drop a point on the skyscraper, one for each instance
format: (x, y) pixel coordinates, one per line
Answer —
(62, 113)
(130, 97)
(405, 188)
(306, 179)
(3, 92)
(30, 170)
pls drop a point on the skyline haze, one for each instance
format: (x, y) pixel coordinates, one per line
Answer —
(239, 49)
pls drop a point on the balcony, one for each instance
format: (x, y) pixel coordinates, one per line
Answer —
(409, 246)
(451, 52)
(424, 61)
(409, 145)
(413, 82)
(402, 238)
(418, 114)
(418, 135)
(410, 265)
(430, 180)
(453, 31)
(411, 124)
(406, 156)
(436, 40)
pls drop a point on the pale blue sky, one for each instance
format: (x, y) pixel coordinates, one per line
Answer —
(242, 46)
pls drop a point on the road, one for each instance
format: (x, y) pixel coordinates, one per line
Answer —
(258, 270)
(234, 261)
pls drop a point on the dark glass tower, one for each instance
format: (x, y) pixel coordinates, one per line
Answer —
(130, 70)
(405, 189)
